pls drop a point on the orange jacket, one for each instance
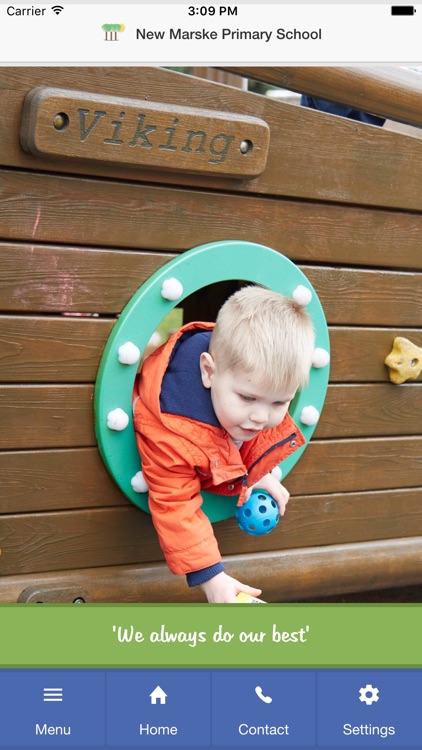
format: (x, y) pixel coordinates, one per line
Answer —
(182, 454)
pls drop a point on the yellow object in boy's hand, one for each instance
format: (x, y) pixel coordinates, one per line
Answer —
(243, 598)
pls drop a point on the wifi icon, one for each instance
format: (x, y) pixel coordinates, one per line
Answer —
(57, 9)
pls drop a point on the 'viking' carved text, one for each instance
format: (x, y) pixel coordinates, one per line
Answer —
(145, 134)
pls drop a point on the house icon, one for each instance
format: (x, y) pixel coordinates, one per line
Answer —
(158, 695)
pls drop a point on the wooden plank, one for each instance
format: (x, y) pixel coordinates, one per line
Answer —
(219, 76)
(44, 416)
(399, 127)
(399, 595)
(114, 536)
(54, 209)
(33, 480)
(333, 569)
(50, 349)
(123, 583)
(54, 279)
(55, 480)
(60, 416)
(371, 410)
(386, 91)
(378, 168)
(355, 297)
(48, 541)
(360, 464)
(68, 350)
(323, 519)
(289, 575)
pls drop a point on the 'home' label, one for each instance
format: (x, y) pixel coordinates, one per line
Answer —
(57, 123)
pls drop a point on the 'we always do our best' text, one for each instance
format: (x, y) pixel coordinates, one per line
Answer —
(194, 638)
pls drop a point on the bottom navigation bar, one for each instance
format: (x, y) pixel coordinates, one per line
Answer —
(225, 708)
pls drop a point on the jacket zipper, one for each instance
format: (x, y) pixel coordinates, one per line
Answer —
(273, 447)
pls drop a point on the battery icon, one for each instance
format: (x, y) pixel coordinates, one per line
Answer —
(402, 10)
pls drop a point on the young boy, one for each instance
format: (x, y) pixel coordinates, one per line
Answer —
(212, 414)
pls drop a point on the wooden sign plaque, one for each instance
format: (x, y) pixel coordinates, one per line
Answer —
(57, 123)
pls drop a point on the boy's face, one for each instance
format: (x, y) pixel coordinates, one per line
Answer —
(243, 406)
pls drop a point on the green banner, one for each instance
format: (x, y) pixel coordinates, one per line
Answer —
(203, 635)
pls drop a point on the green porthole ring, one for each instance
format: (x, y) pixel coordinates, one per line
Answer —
(194, 269)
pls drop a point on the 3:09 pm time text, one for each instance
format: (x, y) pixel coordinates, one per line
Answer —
(211, 10)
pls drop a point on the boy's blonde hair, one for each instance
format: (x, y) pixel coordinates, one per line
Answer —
(258, 330)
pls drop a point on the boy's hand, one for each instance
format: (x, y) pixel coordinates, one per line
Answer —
(275, 489)
(223, 589)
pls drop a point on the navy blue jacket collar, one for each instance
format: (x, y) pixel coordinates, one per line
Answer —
(182, 391)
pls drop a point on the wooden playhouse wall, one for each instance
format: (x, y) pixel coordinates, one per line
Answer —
(343, 200)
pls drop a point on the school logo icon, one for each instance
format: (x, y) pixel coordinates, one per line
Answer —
(111, 30)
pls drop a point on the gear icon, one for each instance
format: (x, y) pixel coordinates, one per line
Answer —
(369, 695)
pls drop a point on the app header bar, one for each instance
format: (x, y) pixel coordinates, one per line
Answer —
(208, 34)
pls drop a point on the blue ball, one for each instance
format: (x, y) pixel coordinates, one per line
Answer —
(259, 515)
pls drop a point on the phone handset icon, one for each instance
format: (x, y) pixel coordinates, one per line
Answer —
(261, 696)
